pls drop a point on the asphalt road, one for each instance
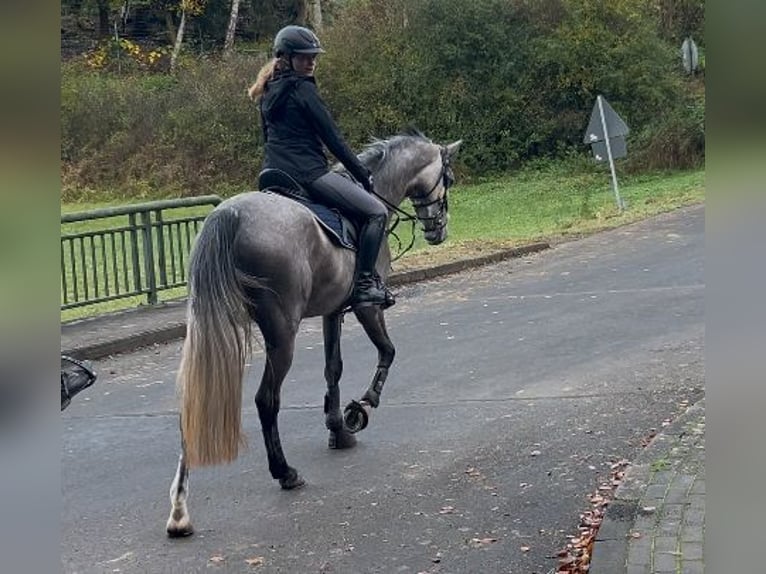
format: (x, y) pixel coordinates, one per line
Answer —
(515, 388)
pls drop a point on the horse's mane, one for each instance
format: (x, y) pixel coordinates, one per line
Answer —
(375, 152)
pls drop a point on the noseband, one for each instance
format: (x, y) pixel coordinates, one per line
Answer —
(447, 178)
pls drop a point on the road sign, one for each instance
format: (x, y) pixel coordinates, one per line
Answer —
(614, 124)
(606, 134)
(690, 55)
(618, 146)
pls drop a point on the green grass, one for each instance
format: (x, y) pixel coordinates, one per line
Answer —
(548, 202)
(552, 203)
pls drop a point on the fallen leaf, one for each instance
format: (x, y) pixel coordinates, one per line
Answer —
(217, 559)
(255, 561)
(483, 541)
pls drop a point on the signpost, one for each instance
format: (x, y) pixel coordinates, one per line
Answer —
(606, 135)
(690, 55)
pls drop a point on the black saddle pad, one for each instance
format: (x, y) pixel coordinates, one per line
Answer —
(338, 227)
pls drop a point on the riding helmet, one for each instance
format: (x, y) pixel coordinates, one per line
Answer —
(296, 40)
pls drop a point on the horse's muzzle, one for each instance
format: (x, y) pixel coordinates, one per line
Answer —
(435, 236)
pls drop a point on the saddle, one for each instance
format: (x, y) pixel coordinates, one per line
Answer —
(337, 226)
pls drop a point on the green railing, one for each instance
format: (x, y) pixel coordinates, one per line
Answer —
(121, 252)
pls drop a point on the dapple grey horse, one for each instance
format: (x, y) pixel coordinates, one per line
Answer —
(264, 258)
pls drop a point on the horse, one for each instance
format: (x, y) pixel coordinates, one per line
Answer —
(264, 258)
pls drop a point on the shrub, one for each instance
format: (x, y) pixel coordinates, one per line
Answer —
(674, 140)
(515, 79)
(189, 133)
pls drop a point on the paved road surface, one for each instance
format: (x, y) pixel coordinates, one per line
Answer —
(515, 387)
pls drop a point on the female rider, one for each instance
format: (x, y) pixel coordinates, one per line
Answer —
(295, 124)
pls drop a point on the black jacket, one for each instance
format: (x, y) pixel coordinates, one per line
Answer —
(295, 124)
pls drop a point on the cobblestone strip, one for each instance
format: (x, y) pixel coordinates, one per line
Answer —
(668, 533)
(660, 506)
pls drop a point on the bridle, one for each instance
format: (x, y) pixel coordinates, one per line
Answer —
(419, 202)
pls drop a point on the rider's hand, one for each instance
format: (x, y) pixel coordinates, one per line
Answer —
(369, 185)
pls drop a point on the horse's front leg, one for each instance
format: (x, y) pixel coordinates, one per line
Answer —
(179, 523)
(340, 437)
(374, 324)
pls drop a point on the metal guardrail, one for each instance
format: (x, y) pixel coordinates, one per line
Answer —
(140, 255)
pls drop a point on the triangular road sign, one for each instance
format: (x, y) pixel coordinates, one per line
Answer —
(617, 146)
(614, 124)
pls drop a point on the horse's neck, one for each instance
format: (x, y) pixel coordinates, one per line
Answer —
(391, 188)
(391, 182)
(392, 196)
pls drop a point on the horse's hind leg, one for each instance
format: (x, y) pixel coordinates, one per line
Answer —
(280, 344)
(374, 324)
(179, 523)
(339, 435)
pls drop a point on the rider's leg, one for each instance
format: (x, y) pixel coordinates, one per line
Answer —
(337, 191)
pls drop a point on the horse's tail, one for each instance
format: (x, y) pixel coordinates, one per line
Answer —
(216, 346)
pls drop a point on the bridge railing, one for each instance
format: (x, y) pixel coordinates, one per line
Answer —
(134, 250)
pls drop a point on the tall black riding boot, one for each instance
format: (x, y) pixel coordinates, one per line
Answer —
(368, 288)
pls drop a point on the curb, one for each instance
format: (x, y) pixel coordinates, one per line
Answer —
(456, 266)
(129, 343)
(174, 329)
(610, 551)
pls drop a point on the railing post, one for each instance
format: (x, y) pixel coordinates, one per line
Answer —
(161, 263)
(134, 248)
(151, 275)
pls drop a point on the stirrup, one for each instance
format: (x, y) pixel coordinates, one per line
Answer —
(390, 299)
(384, 298)
(367, 291)
(368, 300)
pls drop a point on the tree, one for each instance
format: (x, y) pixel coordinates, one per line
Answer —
(232, 28)
(103, 18)
(193, 7)
(179, 39)
(314, 15)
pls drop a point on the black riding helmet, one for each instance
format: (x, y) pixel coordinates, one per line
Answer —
(296, 40)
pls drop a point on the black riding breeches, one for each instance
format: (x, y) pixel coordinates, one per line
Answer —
(369, 213)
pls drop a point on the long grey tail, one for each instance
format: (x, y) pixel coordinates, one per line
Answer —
(216, 346)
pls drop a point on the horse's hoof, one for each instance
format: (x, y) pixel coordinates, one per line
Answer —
(179, 530)
(179, 525)
(356, 416)
(342, 439)
(292, 481)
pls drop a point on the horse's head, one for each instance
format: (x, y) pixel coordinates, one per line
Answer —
(429, 192)
(411, 165)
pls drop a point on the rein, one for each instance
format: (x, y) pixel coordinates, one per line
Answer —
(447, 179)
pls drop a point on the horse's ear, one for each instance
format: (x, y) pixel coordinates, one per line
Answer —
(453, 147)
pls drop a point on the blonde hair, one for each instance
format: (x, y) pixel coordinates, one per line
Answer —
(265, 74)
